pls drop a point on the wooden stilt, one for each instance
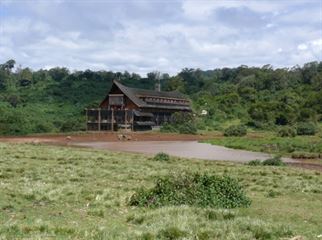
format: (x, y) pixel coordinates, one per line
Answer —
(132, 121)
(86, 110)
(99, 119)
(112, 120)
(125, 119)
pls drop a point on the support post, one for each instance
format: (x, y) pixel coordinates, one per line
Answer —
(125, 119)
(86, 119)
(99, 119)
(112, 120)
(132, 121)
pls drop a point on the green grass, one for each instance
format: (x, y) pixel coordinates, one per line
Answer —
(268, 142)
(51, 192)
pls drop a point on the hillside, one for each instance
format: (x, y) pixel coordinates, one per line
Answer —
(53, 100)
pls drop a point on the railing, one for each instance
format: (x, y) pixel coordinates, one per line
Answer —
(108, 120)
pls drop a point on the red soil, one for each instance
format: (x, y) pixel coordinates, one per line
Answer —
(104, 136)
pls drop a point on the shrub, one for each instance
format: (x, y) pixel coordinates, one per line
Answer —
(183, 128)
(306, 155)
(187, 128)
(171, 233)
(167, 127)
(183, 123)
(192, 189)
(306, 129)
(254, 163)
(236, 131)
(275, 161)
(161, 157)
(286, 132)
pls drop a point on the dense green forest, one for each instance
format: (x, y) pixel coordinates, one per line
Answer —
(260, 97)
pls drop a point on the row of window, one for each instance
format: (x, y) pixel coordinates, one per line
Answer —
(164, 100)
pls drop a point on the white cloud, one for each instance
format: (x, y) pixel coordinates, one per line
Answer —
(317, 42)
(302, 47)
(202, 9)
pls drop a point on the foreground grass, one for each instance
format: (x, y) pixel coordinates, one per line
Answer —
(298, 147)
(49, 192)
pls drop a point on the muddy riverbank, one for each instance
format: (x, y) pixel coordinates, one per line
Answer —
(186, 149)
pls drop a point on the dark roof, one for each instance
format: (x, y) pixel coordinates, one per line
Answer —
(135, 93)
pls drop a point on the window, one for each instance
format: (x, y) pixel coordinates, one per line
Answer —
(116, 99)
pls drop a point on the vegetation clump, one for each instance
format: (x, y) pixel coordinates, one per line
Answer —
(275, 161)
(192, 189)
(267, 142)
(235, 131)
(254, 163)
(306, 155)
(183, 123)
(161, 156)
(171, 233)
(286, 132)
(306, 129)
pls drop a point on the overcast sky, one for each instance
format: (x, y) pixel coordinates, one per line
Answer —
(142, 36)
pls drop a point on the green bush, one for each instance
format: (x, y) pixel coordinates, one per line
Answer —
(275, 161)
(192, 189)
(181, 123)
(161, 157)
(306, 129)
(183, 128)
(171, 233)
(254, 163)
(306, 155)
(187, 128)
(286, 132)
(235, 131)
(167, 128)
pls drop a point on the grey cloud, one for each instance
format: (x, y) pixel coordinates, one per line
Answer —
(141, 36)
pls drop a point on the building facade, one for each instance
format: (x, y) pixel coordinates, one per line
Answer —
(137, 109)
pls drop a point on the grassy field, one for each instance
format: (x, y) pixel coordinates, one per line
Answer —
(298, 147)
(51, 192)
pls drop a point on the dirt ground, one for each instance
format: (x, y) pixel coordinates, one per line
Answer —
(64, 139)
(104, 137)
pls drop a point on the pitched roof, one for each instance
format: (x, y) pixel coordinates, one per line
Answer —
(135, 93)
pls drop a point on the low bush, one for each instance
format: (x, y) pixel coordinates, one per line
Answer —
(171, 233)
(306, 155)
(183, 128)
(161, 157)
(275, 161)
(192, 189)
(254, 163)
(168, 128)
(306, 129)
(286, 132)
(187, 128)
(235, 131)
(183, 123)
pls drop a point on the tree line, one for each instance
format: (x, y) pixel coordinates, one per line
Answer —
(54, 100)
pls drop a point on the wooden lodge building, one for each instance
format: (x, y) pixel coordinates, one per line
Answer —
(135, 109)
